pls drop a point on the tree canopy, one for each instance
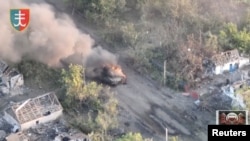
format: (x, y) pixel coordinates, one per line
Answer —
(76, 89)
(233, 38)
(131, 137)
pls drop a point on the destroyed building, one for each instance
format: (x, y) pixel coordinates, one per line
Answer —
(29, 113)
(38, 119)
(11, 81)
(228, 61)
(3, 67)
(51, 131)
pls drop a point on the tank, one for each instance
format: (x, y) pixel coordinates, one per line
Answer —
(108, 74)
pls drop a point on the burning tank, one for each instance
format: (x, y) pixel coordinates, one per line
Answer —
(108, 74)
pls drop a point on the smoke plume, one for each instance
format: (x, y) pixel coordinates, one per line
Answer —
(48, 39)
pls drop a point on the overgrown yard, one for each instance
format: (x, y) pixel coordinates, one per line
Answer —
(39, 75)
(181, 32)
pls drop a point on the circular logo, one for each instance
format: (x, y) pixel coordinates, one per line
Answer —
(232, 118)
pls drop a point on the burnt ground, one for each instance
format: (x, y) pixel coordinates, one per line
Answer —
(148, 108)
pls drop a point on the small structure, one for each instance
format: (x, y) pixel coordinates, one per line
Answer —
(228, 61)
(11, 81)
(31, 112)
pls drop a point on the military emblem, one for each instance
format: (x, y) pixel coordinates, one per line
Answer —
(232, 117)
(19, 18)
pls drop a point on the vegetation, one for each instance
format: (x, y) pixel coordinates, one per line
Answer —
(89, 101)
(233, 38)
(40, 74)
(244, 94)
(131, 137)
(138, 137)
(76, 90)
(97, 10)
(154, 31)
(174, 138)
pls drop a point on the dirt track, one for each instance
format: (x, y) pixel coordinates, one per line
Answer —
(153, 109)
(148, 109)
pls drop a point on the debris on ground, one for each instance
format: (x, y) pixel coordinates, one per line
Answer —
(11, 81)
(223, 96)
(37, 119)
(51, 131)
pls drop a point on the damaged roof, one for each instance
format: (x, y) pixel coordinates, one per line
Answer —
(3, 66)
(226, 57)
(35, 108)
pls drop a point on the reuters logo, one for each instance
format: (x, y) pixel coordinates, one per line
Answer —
(232, 117)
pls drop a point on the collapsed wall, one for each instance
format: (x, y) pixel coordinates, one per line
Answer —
(11, 81)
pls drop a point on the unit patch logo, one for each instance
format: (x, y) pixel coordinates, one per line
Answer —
(19, 18)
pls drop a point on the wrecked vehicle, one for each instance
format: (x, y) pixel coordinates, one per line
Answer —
(108, 74)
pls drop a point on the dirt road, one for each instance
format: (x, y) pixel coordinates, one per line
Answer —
(149, 109)
(153, 109)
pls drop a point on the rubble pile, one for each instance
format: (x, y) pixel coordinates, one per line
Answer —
(51, 131)
(54, 131)
(215, 101)
(5, 128)
(11, 81)
(224, 96)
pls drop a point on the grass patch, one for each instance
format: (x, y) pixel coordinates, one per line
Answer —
(39, 74)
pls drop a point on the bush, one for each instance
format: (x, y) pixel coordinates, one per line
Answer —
(120, 33)
(232, 38)
(130, 35)
(100, 102)
(39, 73)
(131, 137)
(244, 92)
(77, 92)
(98, 9)
(174, 138)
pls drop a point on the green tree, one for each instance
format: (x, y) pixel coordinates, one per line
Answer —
(174, 138)
(131, 137)
(232, 38)
(101, 104)
(129, 34)
(100, 9)
(211, 41)
(106, 118)
(76, 90)
(39, 73)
